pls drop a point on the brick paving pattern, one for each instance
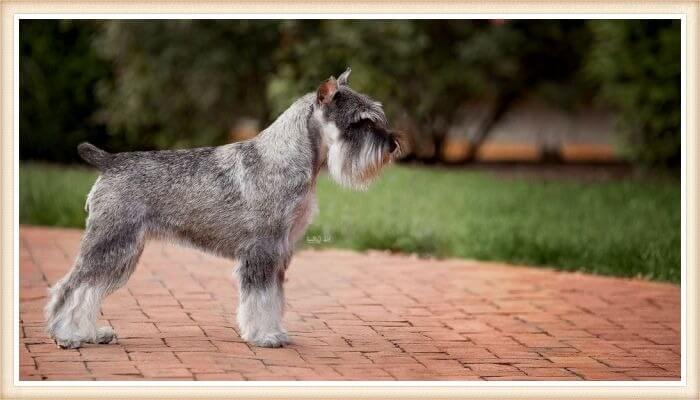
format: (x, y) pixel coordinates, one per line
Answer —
(355, 316)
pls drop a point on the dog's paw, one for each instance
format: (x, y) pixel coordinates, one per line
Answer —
(105, 334)
(246, 335)
(68, 343)
(272, 339)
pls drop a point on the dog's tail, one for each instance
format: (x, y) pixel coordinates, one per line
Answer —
(95, 156)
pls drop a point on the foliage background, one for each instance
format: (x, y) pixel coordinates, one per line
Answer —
(156, 84)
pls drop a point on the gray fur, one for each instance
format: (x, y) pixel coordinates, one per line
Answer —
(248, 201)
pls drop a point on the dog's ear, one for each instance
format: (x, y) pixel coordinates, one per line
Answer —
(343, 78)
(325, 92)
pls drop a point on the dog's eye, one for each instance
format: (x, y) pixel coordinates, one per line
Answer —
(360, 124)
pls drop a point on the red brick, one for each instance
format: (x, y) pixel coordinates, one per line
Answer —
(178, 344)
(49, 348)
(648, 372)
(235, 349)
(419, 348)
(598, 374)
(171, 331)
(219, 332)
(126, 330)
(112, 367)
(62, 367)
(493, 369)
(468, 326)
(103, 353)
(366, 317)
(546, 372)
(576, 361)
(621, 362)
(538, 340)
(367, 373)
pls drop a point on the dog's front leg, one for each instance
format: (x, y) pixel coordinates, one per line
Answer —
(261, 277)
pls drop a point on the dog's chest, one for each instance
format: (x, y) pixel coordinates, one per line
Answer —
(303, 215)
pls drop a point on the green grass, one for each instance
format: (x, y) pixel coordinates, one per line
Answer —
(621, 228)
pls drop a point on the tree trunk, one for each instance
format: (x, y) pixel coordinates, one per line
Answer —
(438, 137)
(438, 134)
(501, 106)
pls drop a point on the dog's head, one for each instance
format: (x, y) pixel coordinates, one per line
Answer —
(354, 131)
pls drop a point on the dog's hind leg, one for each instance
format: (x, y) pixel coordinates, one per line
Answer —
(108, 256)
(261, 276)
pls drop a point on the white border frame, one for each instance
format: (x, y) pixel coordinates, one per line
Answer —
(343, 384)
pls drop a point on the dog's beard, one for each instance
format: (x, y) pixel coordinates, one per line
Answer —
(356, 169)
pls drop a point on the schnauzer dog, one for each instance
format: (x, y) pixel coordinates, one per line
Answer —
(248, 201)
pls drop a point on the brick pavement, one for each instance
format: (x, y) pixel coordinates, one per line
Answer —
(357, 316)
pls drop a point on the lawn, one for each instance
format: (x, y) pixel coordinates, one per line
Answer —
(618, 227)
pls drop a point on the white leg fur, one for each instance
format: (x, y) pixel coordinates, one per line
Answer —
(73, 322)
(260, 316)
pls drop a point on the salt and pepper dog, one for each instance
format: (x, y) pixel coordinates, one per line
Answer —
(248, 201)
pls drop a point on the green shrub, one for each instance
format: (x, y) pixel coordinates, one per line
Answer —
(58, 74)
(637, 66)
(183, 83)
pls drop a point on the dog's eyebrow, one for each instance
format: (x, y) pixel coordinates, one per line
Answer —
(370, 115)
(373, 113)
